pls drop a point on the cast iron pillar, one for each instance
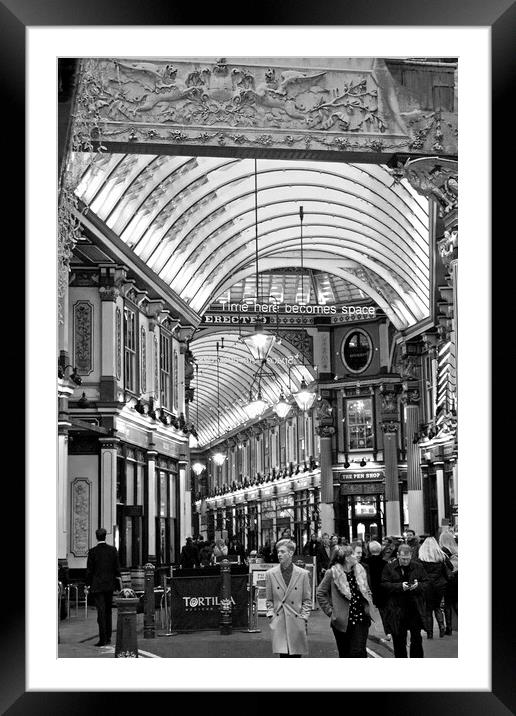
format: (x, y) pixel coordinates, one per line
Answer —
(126, 642)
(225, 598)
(149, 630)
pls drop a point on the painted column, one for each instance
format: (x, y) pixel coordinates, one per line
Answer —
(390, 426)
(414, 478)
(246, 525)
(392, 492)
(326, 508)
(151, 501)
(184, 510)
(108, 458)
(111, 339)
(63, 507)
(439, 484)
(259, 523)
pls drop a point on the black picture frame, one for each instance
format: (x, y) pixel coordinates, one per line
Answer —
(15, 17)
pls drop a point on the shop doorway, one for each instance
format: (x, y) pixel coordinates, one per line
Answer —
(130, 524)
(364, 517)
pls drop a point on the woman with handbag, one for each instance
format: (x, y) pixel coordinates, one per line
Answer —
(344, 595)
(449, 546)
(434, 561)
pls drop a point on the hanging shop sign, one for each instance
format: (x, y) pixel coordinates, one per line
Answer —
(195, 601)
(351, 476)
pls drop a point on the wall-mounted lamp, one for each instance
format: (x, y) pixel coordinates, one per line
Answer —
(74, 376)
(362, 462)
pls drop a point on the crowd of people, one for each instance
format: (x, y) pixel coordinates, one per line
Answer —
(406, 582)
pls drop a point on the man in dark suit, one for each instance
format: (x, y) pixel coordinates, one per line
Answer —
(323, 556)
(102, 569)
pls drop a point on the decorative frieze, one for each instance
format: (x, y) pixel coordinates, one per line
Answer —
(80, 495)
(83, 337)
(390, 426)
(345, 108)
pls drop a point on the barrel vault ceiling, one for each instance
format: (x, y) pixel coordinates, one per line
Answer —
(192, 221)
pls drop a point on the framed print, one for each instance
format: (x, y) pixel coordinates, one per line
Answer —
(159, 92)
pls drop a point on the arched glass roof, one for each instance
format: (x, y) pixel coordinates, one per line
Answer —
(192, 221)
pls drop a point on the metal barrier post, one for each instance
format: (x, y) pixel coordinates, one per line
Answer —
(149, 630)
(226, 626)
(126, 641)
(86, 592)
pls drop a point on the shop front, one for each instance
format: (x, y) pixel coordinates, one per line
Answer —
(360, 505)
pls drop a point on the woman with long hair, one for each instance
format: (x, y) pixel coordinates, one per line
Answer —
(344, 595)
(433, 560)
(449, 546)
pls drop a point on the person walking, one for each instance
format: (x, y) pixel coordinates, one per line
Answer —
(434, 560)
(323, 556)
(413, 542)
(404, 582)
(205, 554)
(311, 547)
(389, 549)
(375, 565)
(288, 603)
(220, 551)
(189, 555)
(102, 571)
(344, 595)
(236, 549)
(449, 546)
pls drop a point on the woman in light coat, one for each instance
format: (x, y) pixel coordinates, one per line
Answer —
(345, 596)
(288, 601)
(433, 560)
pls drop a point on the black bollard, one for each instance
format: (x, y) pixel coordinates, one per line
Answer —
(149, 630)
(226, 626)
(126, 642)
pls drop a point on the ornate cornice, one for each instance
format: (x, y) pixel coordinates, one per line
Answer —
(325, 431)
(390, 426)
(435, 178)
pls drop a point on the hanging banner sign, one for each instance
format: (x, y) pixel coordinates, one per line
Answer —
(195, 602)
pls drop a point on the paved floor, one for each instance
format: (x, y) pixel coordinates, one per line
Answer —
(79, 634)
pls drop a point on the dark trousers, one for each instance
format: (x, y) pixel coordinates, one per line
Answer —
(351, 644)
(399, 641)
(104, 604)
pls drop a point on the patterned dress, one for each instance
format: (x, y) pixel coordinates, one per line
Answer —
(357, 614)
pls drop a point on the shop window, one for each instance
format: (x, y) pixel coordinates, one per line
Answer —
(359, 422)
(130, 350)
(356, 351)
(164, 370)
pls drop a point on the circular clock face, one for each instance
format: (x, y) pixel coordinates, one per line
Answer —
(356, 350)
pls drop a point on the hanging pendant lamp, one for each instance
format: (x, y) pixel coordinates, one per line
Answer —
(259, 343)
(282, 407)
(219, 456)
